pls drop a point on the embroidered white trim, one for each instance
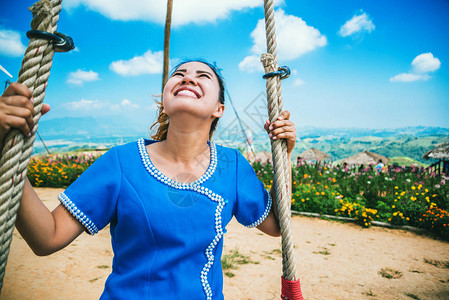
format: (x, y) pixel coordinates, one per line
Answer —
(265, 214)
(160, 176)
(79, 215)
(196, 187)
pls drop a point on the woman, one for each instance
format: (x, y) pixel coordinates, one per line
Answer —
(167, 200)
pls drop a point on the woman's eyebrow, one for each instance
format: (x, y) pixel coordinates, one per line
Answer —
(202, 72)
(197, 72)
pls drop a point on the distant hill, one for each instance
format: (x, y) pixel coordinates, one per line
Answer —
(339, 143)
(72, 133)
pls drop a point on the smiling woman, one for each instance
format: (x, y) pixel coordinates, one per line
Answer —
(167, 200)
(162, 123)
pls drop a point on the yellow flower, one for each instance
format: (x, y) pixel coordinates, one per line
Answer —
(393, 206)
(395, 187)
(322, 193)
(413, 188)
(305, 175)
(317, 193)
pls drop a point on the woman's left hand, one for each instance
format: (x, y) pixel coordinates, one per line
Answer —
(282, 128)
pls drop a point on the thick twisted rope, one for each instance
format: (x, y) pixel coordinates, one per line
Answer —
(279, 147)
(17, 149)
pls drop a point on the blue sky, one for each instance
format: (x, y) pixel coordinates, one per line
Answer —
(364, 64)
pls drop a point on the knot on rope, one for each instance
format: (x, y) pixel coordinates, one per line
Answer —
(41, 13)
(268, 62)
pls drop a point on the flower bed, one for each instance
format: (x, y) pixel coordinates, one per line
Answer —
(398, 195)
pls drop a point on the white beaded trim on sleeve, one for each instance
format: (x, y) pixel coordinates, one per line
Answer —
(79, 215)
(265, 214)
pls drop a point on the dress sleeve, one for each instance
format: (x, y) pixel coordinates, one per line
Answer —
(253, 202)
(92, 198)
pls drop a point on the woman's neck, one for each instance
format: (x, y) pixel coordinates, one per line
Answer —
(184, 144)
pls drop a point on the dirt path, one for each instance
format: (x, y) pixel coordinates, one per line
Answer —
(335, 261)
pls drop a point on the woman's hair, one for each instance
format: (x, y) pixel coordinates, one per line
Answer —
(163, 121)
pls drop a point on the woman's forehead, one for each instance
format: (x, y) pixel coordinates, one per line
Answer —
(196, 66)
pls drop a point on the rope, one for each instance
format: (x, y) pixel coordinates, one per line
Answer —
(17, 149)
(278, 147)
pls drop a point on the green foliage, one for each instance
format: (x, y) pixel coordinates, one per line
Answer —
(405, 195)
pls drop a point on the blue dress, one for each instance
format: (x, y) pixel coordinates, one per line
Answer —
(167, 237)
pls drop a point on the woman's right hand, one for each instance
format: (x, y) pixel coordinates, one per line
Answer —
(17, 110)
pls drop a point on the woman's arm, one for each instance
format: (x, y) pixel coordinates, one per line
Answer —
(44, 231)
(282, 128)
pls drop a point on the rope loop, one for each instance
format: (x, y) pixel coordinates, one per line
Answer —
(61, 42)
(284, 72)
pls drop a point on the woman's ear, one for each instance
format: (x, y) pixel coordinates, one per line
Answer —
(219, 111)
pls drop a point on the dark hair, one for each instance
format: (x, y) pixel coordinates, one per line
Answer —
(163, 120)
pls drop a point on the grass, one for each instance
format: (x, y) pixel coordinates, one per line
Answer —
(103, 267)
(232, 260)
(413, 296)
(325, 251)
(437, 263)
(390, 273)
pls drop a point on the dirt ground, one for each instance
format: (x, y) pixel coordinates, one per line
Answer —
(335, 261)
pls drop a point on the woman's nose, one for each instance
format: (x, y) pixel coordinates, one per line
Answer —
(188, 79)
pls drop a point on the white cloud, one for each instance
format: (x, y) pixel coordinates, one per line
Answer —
(421, 65)
(184, 11)
(11, 44)
(251, 64)
(149, 63)
(357, 24)
(409, 77)
(298, 82)
(425, 63)
(103, 105)
(79, 77)
(294, 38)
(85, 105)
(124, 104)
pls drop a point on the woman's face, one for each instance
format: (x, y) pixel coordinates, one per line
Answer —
(193, 88)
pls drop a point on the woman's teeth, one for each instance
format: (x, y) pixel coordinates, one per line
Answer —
(187, 93)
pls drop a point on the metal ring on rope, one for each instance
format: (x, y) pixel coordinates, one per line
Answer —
(284, 72)
(61, 42)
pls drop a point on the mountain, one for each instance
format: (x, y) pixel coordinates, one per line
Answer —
(65, 134)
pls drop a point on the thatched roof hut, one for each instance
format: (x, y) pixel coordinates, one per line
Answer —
(263, 156)
(313, 155)
(441, 151)
(365, 158)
